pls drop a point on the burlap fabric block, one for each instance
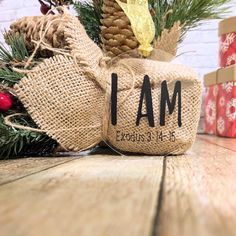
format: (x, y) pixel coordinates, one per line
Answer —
(68, 96)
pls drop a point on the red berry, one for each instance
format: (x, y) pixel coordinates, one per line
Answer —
(5, 101)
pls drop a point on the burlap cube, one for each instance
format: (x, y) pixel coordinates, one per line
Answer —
(69, 97)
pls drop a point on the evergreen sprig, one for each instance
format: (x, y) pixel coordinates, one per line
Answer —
(190, 13)
(17, 142)
(9, 77)
(165, 13)
(90, 14)
(17, 51)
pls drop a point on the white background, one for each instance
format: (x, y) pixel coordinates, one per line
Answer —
(200, 45)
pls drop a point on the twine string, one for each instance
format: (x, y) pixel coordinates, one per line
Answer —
(8, 121)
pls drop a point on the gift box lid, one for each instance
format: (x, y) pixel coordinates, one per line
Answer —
(219, 76)
(210, 78)
(227, 25)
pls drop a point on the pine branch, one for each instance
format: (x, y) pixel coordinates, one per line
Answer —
(18, 142)
(14, 142)
(165, 13)
(5, 55)
(17, 51)
(9, 77)
(90, 15)
(190, 13)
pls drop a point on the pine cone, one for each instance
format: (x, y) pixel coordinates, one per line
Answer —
(116, 33)
(33, 27)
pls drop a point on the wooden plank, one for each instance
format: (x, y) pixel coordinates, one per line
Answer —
(11, 170)
(97, 195)
(199, 193)
(229, 143)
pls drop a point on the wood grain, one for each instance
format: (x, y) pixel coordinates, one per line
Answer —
(199, 197)
(97, 195)
(11, 170)
(228, 143)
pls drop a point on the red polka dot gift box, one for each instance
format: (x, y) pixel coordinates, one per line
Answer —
(220, 102)
(227, 33)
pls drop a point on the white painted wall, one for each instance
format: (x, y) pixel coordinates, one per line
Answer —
(10, 10)
(200, 45)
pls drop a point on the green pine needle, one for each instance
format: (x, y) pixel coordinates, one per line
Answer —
(5, 55)
(90, 15)
(9, 77)
(190, 13)
(17, 50)
(17, 142)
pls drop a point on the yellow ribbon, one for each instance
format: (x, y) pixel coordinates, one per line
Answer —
(141, 23)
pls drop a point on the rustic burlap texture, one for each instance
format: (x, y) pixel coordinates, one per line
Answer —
(68, 96)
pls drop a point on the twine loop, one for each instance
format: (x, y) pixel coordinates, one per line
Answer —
(7, 121)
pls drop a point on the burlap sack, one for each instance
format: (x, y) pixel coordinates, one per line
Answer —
(69, 97)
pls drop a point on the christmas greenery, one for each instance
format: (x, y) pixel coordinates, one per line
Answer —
(21, 142)
(190, 13)
(165, 13)
(9, 77)
(17, 51)
(18, 142)
(90, 14)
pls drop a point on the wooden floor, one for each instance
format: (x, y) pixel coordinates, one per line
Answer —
(110, 195)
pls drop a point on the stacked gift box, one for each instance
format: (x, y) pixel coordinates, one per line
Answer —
(220, 100)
